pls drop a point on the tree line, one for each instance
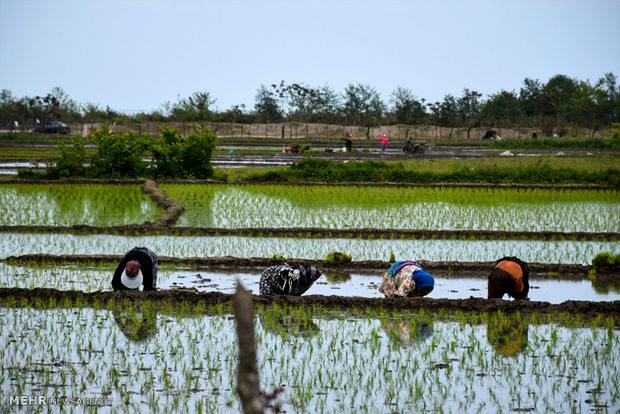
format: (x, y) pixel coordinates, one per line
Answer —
(559, 103)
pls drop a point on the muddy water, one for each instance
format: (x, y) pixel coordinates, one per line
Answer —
(565, 251)
(136, 361)
(90, 279)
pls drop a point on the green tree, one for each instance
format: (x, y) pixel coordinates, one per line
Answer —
(406, 107)
(188, 157)
(362, 104)
(501, 109)
(118, 155)
(71, 161)
(266, 105)
(469, 106)
(560, 90)
(196, 107)
(445, 113)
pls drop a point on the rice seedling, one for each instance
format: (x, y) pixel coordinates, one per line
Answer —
(562, 251)
(69, 204)
(339, 207)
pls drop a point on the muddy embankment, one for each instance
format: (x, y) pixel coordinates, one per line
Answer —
(163, 226)
(69, 298)
(172, 210)
(445, 269)
(321, 183)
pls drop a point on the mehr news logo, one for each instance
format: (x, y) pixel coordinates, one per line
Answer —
(26, 400)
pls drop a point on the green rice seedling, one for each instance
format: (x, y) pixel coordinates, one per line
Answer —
(232, 206)
(70, 204)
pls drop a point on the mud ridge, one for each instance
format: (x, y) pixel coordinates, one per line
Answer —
(322, 183)
(172, 210)
(164, 227)
(468, 305)
(550, 270)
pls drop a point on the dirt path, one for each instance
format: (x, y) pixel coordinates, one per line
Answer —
(164, 225)
(172, 210)
(318, 183)
(73, 298)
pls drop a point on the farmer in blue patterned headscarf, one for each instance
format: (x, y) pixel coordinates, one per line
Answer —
(406, 278)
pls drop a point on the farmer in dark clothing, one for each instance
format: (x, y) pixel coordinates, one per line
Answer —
(406, 278)
(287, 279)
(349, 141)
(138, 268)
(511, 276)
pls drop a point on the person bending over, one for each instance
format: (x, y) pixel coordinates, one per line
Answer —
(511, 276)
(287, 279)
(138, 268)
(406, 278)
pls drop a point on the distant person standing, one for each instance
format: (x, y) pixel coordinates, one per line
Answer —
(384, 141)
(510, 276)
(349, 141)
(138, 268)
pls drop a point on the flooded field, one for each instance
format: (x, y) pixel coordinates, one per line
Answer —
(89, 278)
(139, 360)
(142, 356)
(563, 251)
(339, 207)
(69, 204)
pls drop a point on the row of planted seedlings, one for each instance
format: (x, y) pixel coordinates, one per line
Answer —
(168, 356)
(338, 207)
(551, 251)
(329, 207)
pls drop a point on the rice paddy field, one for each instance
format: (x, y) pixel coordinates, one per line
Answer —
(96, 277)
(559, 251)
(141, 360)
(340, 207)
(70, 204)
(132, 355)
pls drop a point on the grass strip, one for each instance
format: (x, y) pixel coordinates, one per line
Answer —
(51, 298)
(318, 233)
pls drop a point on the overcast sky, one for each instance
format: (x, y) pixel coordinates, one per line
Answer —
(134, 55)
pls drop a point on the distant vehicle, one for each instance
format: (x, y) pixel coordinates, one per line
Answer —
(54, 128)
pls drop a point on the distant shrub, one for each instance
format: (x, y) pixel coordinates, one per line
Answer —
(606, 261)
(71, 161)
(334, 257)
(316, 170)
(542, 143)
(188, 157)
(119, 155)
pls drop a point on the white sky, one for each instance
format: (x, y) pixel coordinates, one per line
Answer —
(134, 55)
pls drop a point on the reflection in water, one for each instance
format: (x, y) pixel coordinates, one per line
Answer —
(406, 332)
(289, 325)
(605, 284)
(508, 336)
(136, 325)
(337, 277)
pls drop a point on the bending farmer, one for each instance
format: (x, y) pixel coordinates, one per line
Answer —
(511, 276)
(138, 268)
(406, 278)
(287, 279)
